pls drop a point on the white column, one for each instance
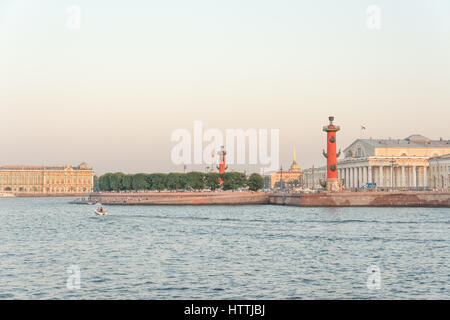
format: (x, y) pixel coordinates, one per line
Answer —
(414, 176)
(392, 177)
(347, 177)
(381, 177)
(369, 174)
(358, 177)
(403, 177)
(419, 176)
(355, 177)
(349, 181)
(363, 175)
(350, 177)
(425, 182)
(409, 177)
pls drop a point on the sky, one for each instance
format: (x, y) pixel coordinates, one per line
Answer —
(113, 91)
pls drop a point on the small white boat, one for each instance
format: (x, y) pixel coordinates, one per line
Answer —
(100, 213)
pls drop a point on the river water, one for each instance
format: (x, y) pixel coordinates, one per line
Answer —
(221, 252)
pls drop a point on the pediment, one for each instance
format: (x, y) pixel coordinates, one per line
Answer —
(359, 149)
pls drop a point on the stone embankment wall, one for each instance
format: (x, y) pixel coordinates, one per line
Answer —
(324, 199)
(365, 199)
(181, 198)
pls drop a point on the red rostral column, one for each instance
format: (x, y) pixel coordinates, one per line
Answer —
(332, 174)
(222, 167)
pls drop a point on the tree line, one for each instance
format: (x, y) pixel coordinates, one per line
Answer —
(179, 181)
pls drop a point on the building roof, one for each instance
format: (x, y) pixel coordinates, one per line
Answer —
(443, 157)
(83, 166)
(28, 167)
(413, 141)
(417, 138)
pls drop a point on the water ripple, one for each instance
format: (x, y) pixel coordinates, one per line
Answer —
(221, 252)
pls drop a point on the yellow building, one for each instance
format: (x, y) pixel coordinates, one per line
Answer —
(291, 178)
(47, 179)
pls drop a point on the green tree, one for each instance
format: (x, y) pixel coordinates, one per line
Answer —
(233, 180)
(127, 181)
(255, 182)
(103, 182)
(212, 180)
(115, 180)
(157, 181)
(176, 181)
(195, 180)
(139, 182)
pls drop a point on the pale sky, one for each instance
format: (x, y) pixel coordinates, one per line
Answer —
(112, 92)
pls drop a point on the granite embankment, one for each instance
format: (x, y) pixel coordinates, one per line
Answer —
(181, 198)
(365, 199)
(323, 199)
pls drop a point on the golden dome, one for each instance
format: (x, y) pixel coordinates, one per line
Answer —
(294, 166)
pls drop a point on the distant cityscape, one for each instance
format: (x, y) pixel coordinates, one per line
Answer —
(412, 163)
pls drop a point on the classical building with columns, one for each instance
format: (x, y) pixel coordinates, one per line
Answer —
(46, 179)
(440, 172)
(390, 163)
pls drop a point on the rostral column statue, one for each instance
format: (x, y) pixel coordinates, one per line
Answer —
(333, 183)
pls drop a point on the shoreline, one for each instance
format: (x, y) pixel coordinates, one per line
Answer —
(439, 199)
(181, 198)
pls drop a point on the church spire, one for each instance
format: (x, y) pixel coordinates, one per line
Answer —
(294, 165)
(295, 160)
